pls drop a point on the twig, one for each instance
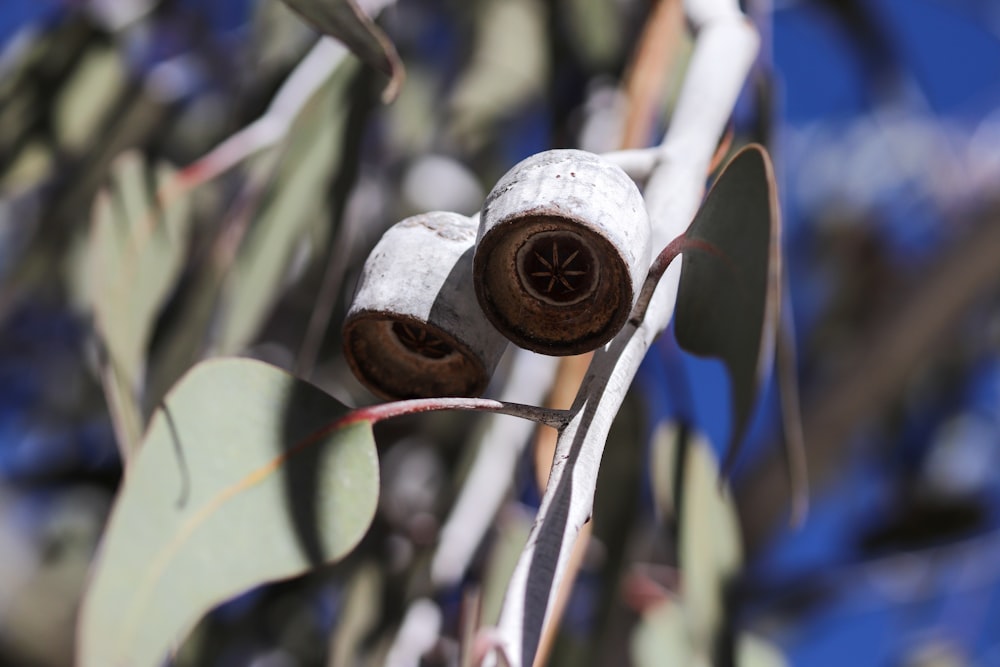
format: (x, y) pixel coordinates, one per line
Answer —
(491, 473)
(375, 413)
(725, 48)
(638, 163)
(646, 83)
(268, 130)
(417, 634)
(644, 91)
(499, 449)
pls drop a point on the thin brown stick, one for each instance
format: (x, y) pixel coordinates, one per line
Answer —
(646, 79)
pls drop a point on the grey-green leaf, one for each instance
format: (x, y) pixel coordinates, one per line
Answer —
(662, 463)
(503, 73)
(513, 527)
(245, 476)
(137, 249)
(295, 203)
(660, 639)
(710, 551)
(345, 21)
(135, 254)
(753, 651)
(729, 293)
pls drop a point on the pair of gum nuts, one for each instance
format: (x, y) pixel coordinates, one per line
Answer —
(555, 264)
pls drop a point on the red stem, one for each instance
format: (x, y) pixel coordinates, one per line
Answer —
(374, 413)
(678, 246)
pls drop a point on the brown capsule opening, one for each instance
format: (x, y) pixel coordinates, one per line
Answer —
(551, 285)
(557, 267)
(400, 357)
(422, 340)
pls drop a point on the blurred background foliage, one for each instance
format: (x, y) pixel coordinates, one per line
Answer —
(883, 117)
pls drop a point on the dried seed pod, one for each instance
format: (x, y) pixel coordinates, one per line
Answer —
(563, 249)
(414, 329)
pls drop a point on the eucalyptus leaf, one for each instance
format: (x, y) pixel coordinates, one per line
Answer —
(509, 67)
(662, 465)
(86, 98)
(137, 250)
(513, 526)
(660, 639)
(598, 30)
(729, 293)
(359, 616)
(710, 551)
(124, 409)
(345, 21)
(295, 202)
(752, 651)
(244, 476)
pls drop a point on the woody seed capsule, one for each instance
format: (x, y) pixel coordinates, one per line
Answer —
(414, 329)
(564, 243)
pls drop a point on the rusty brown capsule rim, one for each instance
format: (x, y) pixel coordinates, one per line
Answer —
(399, 357)
(572, 303)
(563, 247)
(414, 328)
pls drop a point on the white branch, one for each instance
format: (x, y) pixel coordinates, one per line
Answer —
(417, 635)
(638, 163)
(499, 450)
(724, 51)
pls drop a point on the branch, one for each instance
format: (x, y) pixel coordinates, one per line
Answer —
(268, 130)
(499, 450)
(725, 48)
(557, 419)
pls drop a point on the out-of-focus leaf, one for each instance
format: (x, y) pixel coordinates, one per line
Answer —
(89, 94)
(729, 293)
(296, 200)
(279, 37)
(710, 550)
(660, 639)
(510, 66)
(243, 477)
(662, 466)
(359, 614)
(512, 533)
(33, 164)
(753, 651)
(344, 20)
(124, 408)
(43, 570)
(68, 63)
(598, 29)
(137, 250)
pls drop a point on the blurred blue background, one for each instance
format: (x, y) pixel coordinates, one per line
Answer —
(883, 117)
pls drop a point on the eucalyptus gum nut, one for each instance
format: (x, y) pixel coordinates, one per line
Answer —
(562, 251)
(414, 329)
